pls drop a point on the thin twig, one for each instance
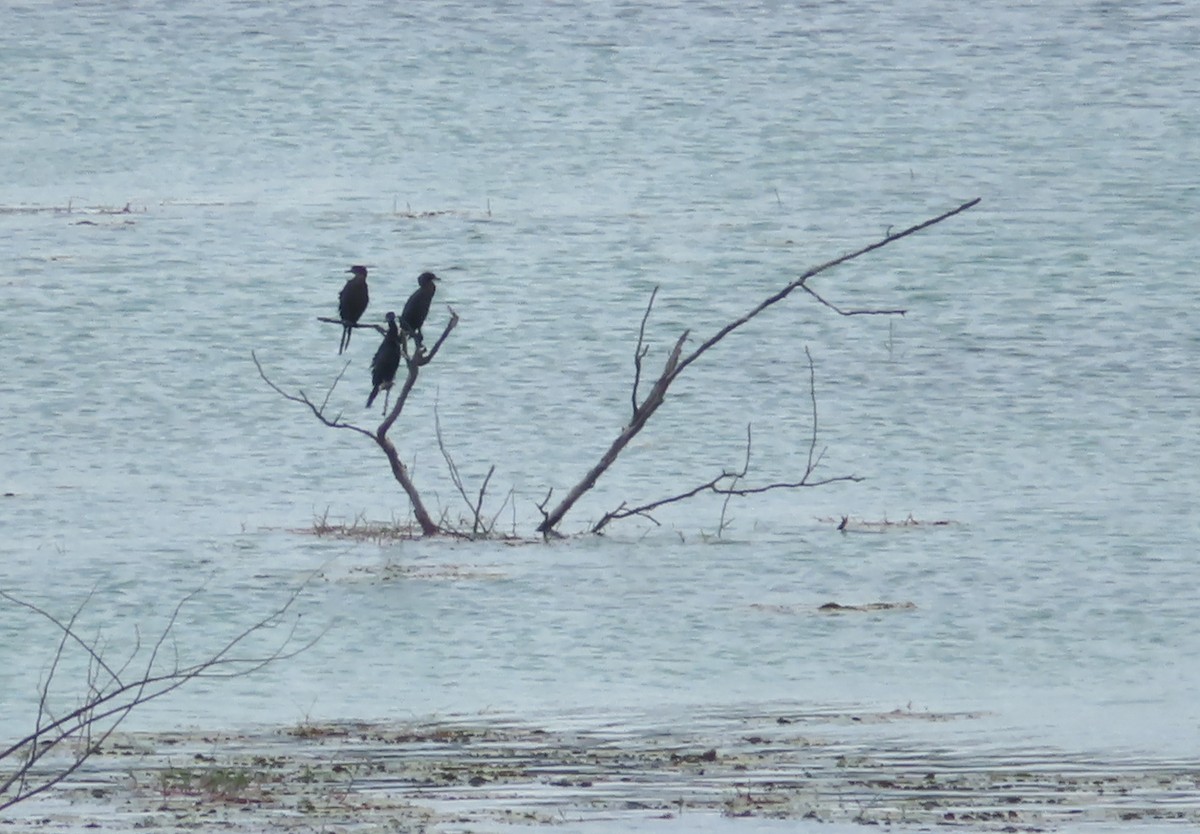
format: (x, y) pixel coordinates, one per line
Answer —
(476, 507)
(451, 466)
(495, 518)
(110, 701)
(640, 351)
(842, 312)
(368, 325)
(812, 395)
(479, 503)
(302, 398)
(812, 273)
(737, 476)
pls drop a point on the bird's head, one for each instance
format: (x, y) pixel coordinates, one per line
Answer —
(427, 279)
(391, 317)
(358, 271)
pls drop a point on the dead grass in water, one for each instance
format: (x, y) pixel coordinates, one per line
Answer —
(823, 765)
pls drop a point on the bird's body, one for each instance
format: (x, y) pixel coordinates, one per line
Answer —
(352, 303)
(386, 361)
(417, 306)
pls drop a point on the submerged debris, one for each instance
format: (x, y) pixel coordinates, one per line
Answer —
(849, 524)
(834, 607)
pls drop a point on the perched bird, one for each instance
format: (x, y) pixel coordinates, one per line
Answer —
(386, 361)
(352, 303)
(417, 306)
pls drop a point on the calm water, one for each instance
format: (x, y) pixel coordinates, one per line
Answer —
(1041, 393)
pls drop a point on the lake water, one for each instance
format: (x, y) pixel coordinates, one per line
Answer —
(554, 163)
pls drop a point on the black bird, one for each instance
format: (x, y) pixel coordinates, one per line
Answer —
(386, 361)
(352, 303)
(417, 306)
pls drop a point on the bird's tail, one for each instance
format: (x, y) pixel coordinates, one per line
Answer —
(374, 394)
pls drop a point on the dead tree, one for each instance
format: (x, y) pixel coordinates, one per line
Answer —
(419, 359)
(113, 688)
(677, 362)
(726, 483)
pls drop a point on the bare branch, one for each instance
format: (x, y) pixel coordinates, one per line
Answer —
(643, 510)
(842, 312)
(479, 503)
(676, 364)
(451, 466)
(429, 527)
(302, 398)
(475, 507)
(450, 325)
(737, 476)
(382, 330)
(812, 395)
(726, 482)
(400, 472)
(332, 385)
(812, 273)
(109, 701)
(503, 504)
(640, 351)
(414, 365)
(653, 400)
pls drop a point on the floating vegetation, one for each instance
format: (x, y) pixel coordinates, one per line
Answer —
(365, 531)
(407, 213)
(467, 773)
(70, 208)
(381, 532)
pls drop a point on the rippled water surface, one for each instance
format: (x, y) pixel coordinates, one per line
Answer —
(554, 164)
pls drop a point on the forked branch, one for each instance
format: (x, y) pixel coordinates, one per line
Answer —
(302, 398)
(413, 365)
(677, 363)
(726, 483)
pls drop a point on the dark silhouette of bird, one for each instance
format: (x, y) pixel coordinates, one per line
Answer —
(417, 307)
(386, 361)
(352, 303)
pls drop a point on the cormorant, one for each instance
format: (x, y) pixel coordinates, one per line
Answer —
(386, 361)
(417, 306)
(352, 303)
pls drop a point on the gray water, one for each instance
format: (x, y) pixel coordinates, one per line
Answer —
(555, 163)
